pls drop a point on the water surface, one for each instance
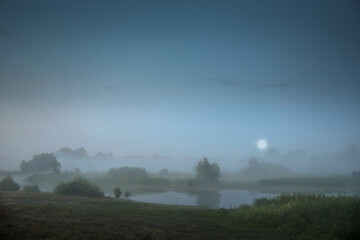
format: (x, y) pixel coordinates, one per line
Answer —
(212, 199)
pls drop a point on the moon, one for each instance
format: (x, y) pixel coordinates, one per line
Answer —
(262, 144)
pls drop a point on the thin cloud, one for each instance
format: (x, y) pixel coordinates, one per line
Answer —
(8, 34)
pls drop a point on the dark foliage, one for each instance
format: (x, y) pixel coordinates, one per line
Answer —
(8, 184)
(127, 194)
(66, 152)
(164, 172)
(207, 171)
(128, 172)
(41, 163)
(117, 192)
(80, 187)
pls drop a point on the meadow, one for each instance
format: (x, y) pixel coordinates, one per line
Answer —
(300, 216)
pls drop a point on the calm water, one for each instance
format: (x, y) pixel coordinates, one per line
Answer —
(212, 199)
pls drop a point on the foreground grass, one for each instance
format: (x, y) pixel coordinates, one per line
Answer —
(51, 216)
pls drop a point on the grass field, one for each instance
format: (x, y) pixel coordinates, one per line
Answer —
(51, 216)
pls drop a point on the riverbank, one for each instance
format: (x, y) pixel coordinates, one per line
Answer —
(324, 185)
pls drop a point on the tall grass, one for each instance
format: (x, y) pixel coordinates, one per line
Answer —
(329, 181)
(306, 215)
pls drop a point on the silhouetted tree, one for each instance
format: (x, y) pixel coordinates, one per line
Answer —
(8, 184)
(101, 155)
(128, 172)
(40, 163)
(117, 192)
(66, 152)
(272, 153)
(207, 171)
(163, 171)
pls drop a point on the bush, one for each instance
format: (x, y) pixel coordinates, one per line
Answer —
(127, 194)
(128, 172)
(79, 187)
(8, 184)
(29, 188)
(117, 192)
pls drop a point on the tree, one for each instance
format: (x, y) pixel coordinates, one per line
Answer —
(68, 153)
(117, 192)
(8, 184)
(40, 163)
(164, 172)
(128, 172)
(207, 171)
(81, 153)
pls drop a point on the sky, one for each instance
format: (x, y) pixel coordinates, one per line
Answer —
(179, 78)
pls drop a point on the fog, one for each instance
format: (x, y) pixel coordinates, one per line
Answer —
(161, 90)
(179, 119)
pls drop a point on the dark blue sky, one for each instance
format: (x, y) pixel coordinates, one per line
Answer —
(179, 78)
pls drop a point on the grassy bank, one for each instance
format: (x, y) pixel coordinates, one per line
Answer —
(50, 216)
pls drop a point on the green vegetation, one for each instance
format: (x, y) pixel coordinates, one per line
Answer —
(117, 192)
(8, 184)
(29, 188)
(306, 215)
(127, 194)
(330, 181)
(49, 181)
(128, 172)
(79, 187)
(41, 163)
(178, 182)
(206, 171)
(260, 170)
(51, 216)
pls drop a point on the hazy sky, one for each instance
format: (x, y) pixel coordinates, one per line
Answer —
(179, 78)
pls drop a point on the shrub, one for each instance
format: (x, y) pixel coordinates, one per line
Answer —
(127, 194)
(80, 187)
(8, 184)
(128, 172)
(117, 192)
(29, 188)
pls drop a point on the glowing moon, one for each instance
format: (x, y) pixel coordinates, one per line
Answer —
(262, 144)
